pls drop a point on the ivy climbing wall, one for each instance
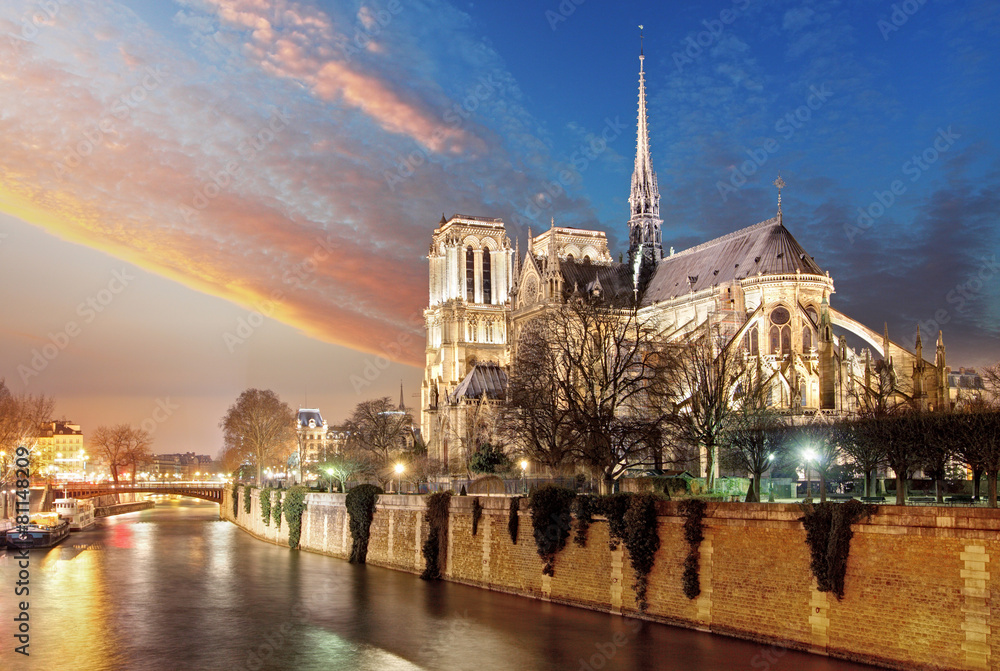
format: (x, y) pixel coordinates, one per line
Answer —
(919, 589)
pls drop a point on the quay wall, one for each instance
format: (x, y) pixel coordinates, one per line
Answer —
(919, 586)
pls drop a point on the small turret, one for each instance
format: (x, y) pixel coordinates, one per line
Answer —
(553, 272)
(944, 396)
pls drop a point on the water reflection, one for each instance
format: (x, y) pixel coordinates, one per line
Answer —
(175, 588)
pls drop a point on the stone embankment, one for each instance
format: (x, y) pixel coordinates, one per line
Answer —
(918, 594)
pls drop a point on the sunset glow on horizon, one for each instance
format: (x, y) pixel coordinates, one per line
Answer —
(269, 173)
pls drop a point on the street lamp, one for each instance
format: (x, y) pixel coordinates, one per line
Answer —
(524, 474)
(399, 473)
(770, 479)
(809, 456)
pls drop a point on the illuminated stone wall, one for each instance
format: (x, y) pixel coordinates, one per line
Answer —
(919, 587)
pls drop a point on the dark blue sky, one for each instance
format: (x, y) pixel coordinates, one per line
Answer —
(269, 174)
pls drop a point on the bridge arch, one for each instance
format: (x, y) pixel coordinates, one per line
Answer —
(207, 492)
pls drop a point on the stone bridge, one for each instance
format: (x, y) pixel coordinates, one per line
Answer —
(208, 491)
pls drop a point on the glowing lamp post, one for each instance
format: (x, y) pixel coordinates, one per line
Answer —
(809, 456)
(770, 482)
(524, 474)
(399, 473)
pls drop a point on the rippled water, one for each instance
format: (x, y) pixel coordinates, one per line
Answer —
(175, 588)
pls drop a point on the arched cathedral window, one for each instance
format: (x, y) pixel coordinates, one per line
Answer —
(487, 276)
(806, 339)
(750, 341)
(780, 332)
(470, 275)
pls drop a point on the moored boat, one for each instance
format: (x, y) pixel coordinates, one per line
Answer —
(42, 531)
(5, 525)
(78, 512)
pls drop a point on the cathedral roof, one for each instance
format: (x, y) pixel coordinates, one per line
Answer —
(766, 248)
(614, 281)
(486, 377)
(305, 414)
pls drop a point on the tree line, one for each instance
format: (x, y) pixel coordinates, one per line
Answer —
(260, 431)
(22, 416)
(601, 386)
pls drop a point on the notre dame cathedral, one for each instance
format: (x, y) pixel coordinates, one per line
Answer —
(757, 284)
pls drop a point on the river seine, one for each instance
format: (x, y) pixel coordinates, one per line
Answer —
(176, 588)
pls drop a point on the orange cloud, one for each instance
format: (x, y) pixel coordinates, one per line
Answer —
(303, 54)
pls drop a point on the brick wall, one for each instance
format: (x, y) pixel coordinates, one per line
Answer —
(918, 589)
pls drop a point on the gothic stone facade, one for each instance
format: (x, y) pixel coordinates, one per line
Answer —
(757, 285)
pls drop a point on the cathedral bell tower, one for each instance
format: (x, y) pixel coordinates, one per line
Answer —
(645, 244)
(471, 277)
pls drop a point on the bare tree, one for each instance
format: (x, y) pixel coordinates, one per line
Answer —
(421, 468)
(380, 432)
(991, 382)
(819, 444)
(137, 453)
(752, 438)
(965, 446)
(341, 468)
(21, 420)
(607, 362)
(934, 438)
(535, 419)
(112, 444)
(868, 456)
(983, 427)
(260, 428)
(882, 406)
(704, 378)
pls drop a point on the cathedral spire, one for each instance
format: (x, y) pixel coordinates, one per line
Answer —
(402, 406)
(780, 183)
(644, 198)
